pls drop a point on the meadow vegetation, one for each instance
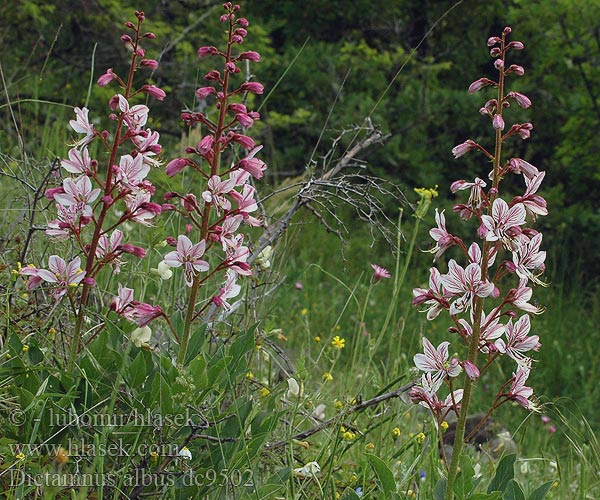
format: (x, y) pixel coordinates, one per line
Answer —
(280, 363)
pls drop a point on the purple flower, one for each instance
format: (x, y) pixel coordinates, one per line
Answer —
(443, 239)
(465, 284)
(79, 193)
(380, 272)
(528, 258)
(79, 162)
(518, 340)
(229, 290)
(82, 125)
(502, 220)
(435, 361)
(59, 273)
(519, 392)
(187, 255)
(435, 297)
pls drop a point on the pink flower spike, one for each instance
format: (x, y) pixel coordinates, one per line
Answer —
(518, 341)
(463, 148)
(435, 297)
(106, 78)
(187, 255)
(520, 297)
(154, 91)
(443, 239)
(477, 85)
(380, 272)
(528, 259)
(78, 192)
(465, 284)
(230, 289)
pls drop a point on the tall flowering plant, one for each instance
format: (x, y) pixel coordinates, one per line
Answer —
(96, 197)
(225, 158)
(94, 201)
(490, 321)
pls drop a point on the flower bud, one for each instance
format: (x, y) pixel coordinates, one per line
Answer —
(149, 35)
(204, 92)
(498, 122)
(250, 56)
(212, 75)
(149, 63)
(493, 40)
(515, 68)
(106, 78)
(175, 166)
(243, 22)
(521, 99)
(471, 370)
(154, 92)
(207, 51)
(129, 25)
(495, 52)
(477, 85)
(253, 87)
(499, 64)
(516, 45)
(463, 148)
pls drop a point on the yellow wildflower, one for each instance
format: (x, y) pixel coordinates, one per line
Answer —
(20, 456)
(420, 437)
(317, 339)
(153, 456)
(62, 455)
(25, 348)
(52, 330)
(304, 312)
(444, 426)
(370, 446)
(327, 377)
(396, 432)
(264, 392)
(250, 375)
(338, 404)
(338, 342)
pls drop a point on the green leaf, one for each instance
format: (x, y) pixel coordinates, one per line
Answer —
(384, 474)
(504, 473)
(195, 344)
(540, 493)
(463, 485)
(439, 492)
(513, 491)
(137, 371)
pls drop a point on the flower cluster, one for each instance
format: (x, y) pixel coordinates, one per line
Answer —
(507, 248)
(89, 193)
(229, 200)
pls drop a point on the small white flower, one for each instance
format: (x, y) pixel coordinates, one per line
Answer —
(185, 453)
(141, 336)
(293, 388)
(319, 412)
(163, 270)
(311, 469)
(263, 259)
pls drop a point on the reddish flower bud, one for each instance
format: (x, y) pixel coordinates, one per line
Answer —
(493, 40)
(230, 67)
(477, 85)
(499, 64)
(175, 166)
(129, 25)
(241, 31)
(50, 192)
(204, 92)
(515, 68)
(149, 35)
(250, 56)
(244, 119)
(507, 30)
(140, 52)
(207, 51)
(471, 370)
(516, 45)
(244, 141)
(106, 78)
(126, 39)
(154, 92)
(498, 122)
(133, 250)
(253, 87)
(463, 148)
(238, 108)
(224, 18)
(521, 99)
(212, 75)
(495, 52)
(149, 63)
